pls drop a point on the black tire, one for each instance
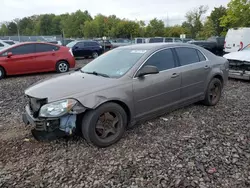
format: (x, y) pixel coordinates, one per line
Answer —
(62, 67)
(2, 73)
(95, 55)
(91, 118)
(213, 93)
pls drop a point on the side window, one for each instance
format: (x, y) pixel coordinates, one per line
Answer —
(87, 44)
(24, 49)
(1, 45)
(201, 56)
(45, 48)
(163, 60)
(80, 44)
(94, 44)
(187, 56)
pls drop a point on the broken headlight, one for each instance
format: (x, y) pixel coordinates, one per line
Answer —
(57, 109)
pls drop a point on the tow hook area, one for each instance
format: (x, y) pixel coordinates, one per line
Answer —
(66, 127)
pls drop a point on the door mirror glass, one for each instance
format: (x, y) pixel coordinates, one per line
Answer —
(9, 54)
(148, 69)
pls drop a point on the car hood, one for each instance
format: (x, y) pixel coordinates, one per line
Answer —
(71, 85)
(241, 56)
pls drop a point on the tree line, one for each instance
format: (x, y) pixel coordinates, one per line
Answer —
(82, 24)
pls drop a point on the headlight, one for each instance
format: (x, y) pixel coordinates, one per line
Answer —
(57, 109)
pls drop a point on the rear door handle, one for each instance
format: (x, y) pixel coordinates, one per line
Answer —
(174, 75)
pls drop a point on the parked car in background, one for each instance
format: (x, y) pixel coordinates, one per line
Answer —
(55, 42)
(66, 41)
(213, 44)
(239, 63)
(85, 48)
(140, 40)
(3, 45)
(105, 44)
(237, 39)
(128, 84)
(120, 42)
(164, 39)
(10, 42)
(35, 57)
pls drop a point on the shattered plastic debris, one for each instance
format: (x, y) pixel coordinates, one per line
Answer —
(68, 124)
(212, 170)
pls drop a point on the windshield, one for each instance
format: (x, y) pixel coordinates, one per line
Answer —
(247, 48)
(114, 63)
(71, 44)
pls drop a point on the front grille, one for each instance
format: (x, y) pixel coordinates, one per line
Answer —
(35, 105)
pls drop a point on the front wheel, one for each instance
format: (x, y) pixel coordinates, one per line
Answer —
(105, 125)
(213, 92)
(62, 67)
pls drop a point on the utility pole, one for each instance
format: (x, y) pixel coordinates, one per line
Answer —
(17, 25)
(167, 20)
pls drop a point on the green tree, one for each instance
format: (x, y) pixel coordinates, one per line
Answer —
(174, 31)
(215, 18)
(3, 30)
(237, 14)
(12, 28)
(193, 23)
(208, 30)
(90, 29)
(73, 24)
(155, 28)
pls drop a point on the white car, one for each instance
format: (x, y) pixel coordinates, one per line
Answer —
(239, 63)
(3, 45)
(242, 55)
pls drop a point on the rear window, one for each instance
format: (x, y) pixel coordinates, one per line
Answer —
(46, 48)
(187, 56)
(88, 44)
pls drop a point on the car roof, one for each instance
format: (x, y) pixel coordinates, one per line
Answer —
(155, 46)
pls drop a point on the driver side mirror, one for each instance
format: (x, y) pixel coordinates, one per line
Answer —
(9, 54)
(148, 69)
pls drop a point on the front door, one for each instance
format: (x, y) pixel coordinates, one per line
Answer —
(156, 92)
(195, 69)
(22, 59)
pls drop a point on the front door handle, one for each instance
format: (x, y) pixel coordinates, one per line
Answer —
(174, 75)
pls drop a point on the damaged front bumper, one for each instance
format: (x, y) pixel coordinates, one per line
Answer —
(50, 128)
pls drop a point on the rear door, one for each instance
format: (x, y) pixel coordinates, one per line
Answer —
(194, 70)
(22, 59)
(45, 57)
(79, 50)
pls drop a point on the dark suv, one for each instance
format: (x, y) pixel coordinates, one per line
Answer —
(85, 48)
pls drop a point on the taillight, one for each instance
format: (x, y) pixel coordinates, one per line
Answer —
(241, 45)
(225, 44)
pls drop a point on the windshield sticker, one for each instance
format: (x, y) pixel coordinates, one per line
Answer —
(138, 51)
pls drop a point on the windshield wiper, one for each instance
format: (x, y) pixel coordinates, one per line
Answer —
(98, 74)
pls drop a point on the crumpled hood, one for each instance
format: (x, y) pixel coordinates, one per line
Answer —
(241, 56)
(69, 85)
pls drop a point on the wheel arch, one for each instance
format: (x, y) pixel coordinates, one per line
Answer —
(3, 69)
(122, 104)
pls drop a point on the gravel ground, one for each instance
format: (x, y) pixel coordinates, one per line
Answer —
(195, 146)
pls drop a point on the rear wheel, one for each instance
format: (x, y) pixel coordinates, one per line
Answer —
(2, 73)
(62, 67)
(105, 125)
(213, 93)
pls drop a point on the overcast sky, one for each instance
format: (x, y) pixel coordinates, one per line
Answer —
(131, 9)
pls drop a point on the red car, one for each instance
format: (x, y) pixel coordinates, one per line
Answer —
(33, 57)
